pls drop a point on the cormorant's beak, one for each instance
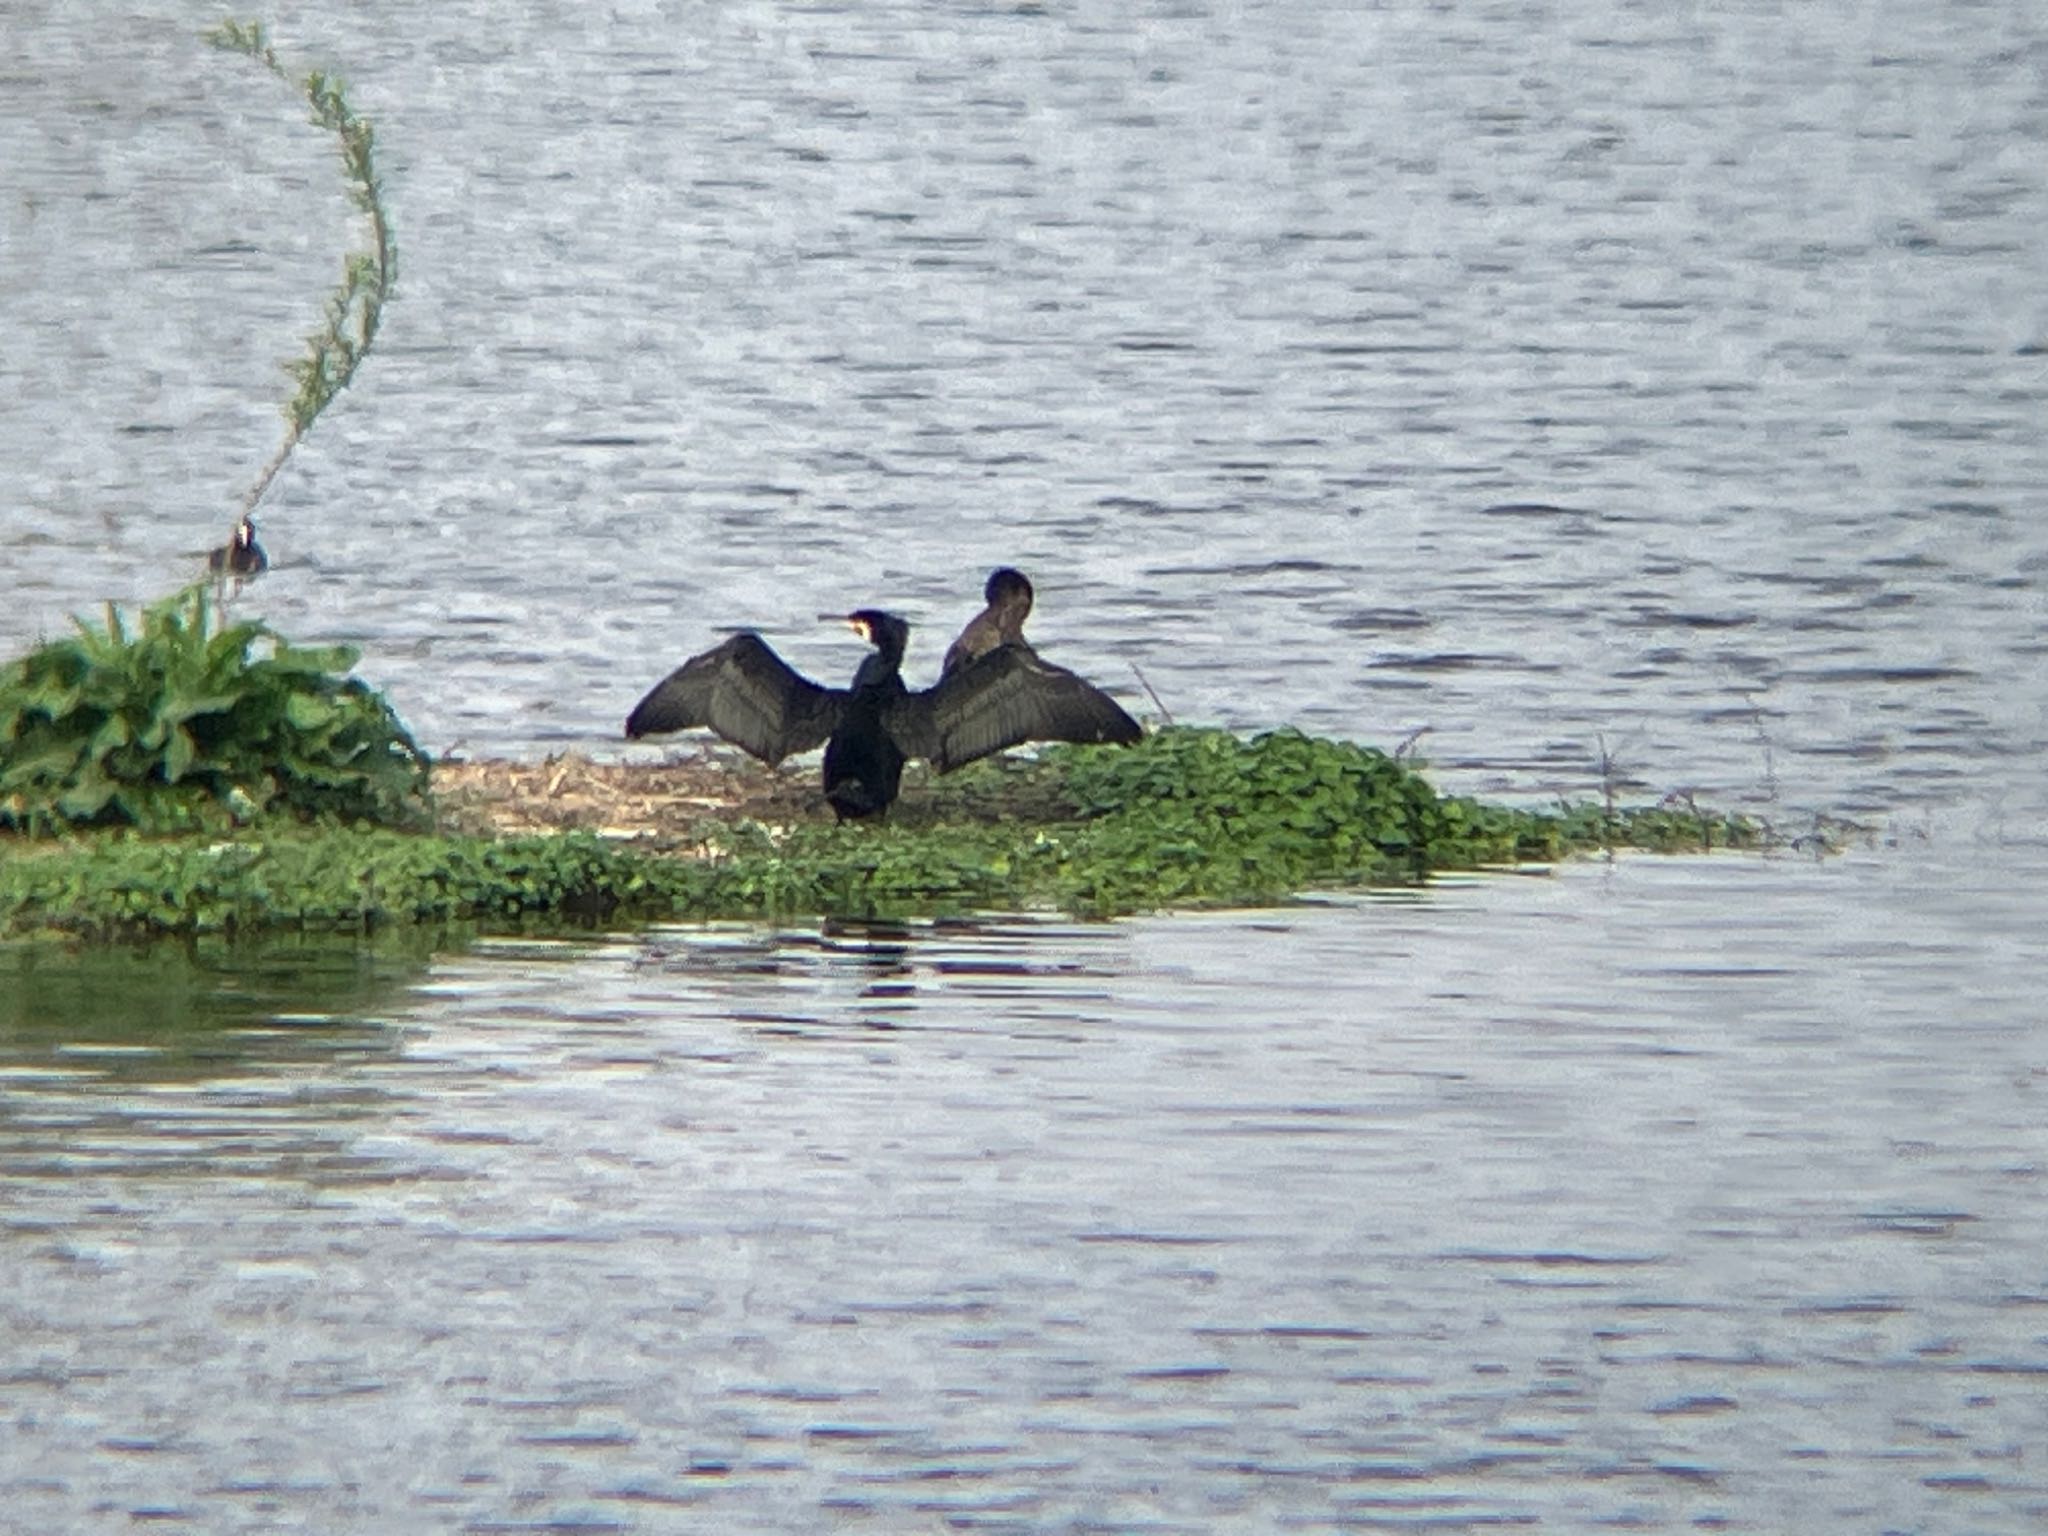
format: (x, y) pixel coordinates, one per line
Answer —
(858, 626)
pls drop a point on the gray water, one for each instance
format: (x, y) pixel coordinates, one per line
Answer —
(1547, 379)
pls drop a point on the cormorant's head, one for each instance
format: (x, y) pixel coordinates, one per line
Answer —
(884, 631)
(1006, 586)
(245, 533)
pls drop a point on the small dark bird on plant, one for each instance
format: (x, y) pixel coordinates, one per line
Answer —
(241, 555)
(758, 702)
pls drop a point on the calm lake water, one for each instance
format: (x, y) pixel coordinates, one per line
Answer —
(1667, 380)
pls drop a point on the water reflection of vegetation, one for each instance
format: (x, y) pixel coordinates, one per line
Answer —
(1186, 818)
(172, 1011)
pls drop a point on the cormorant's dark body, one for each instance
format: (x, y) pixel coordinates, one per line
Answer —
(757, 701)
(1001, 623)
(863, 763)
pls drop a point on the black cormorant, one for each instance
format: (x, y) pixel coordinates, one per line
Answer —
(1001, 623)
(241, 555)
(757, 701)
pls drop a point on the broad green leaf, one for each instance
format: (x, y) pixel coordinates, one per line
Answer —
(55, 760)
(179, 751)
(179, 708)
(313, 659)
(87, 797)
(113, 733)
(309, 712)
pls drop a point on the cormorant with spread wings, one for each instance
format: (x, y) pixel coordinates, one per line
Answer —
(758, 702)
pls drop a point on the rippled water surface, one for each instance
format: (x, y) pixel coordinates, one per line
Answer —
(1553, 380)
(1506, 1205)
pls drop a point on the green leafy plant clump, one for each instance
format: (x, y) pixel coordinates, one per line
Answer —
(190, 722)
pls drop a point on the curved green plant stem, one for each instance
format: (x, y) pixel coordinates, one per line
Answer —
(356, 307)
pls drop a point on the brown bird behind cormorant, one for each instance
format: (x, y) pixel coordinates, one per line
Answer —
(758, 702)
(1008, 595)
(241, 555)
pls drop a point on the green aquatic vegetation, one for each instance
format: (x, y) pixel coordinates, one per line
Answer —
(1193, 817)
(356, 307)
(184, 721)
(1185, 818)
(328, 878)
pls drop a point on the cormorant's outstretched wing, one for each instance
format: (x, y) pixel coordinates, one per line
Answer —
(1011, 695)
(746, 693)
